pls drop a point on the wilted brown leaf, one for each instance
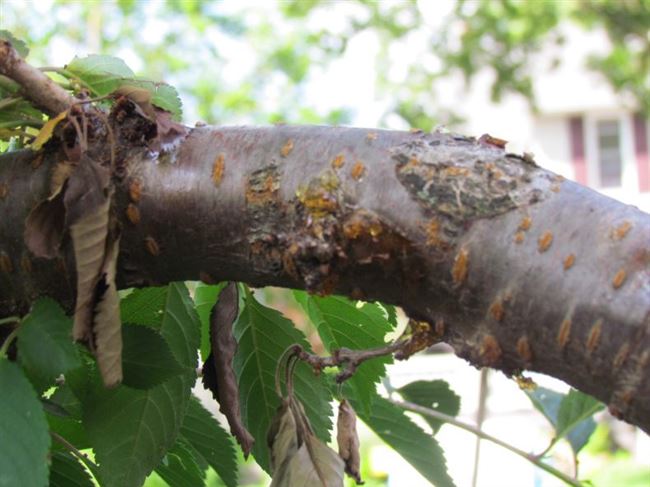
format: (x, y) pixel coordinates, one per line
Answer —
(348, 440)
(298, 457)
(218, 374)
(44, 227)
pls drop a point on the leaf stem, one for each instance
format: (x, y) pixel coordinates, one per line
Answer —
(9, 319)
(415, 408)
(7, 343)
(92, 466)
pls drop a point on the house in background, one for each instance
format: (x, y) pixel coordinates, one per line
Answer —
(581, 128)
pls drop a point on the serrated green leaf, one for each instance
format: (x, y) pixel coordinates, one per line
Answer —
(131, 430)
(19, 45)
(146, 358)
(340, 323)
(100, 74)
(211, 441)
(25, 440)
(205, 296)
(45, 343)
(144, 306)
(433, 394)
(180, 468)
(162, 95)
(570, 414)
(180, 325)
(263, 334)
(418, 448)
(575, 418)
(66, 471)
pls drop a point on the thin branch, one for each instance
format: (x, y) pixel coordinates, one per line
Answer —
(415, 408)
(36, 86)
(351, 359)
(92, 466)
(8, 341)
(9, 319)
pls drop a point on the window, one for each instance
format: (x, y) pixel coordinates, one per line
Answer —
(609, 153)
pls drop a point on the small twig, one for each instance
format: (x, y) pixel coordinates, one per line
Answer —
(9, 319)
(351, 359)
(36, 86)
(409, 406)
(7, 343)
(7, 102)
(92, 466)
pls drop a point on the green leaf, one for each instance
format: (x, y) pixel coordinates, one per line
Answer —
(263, 334)
(100, 74)
(575, 418)
(204, 298)
(180, 468)
(211, 441)
(570, 414)
(19, 45)
(433, 394)
(162, 95)
(45, 343)
(418, 448)
(144, 306)
(340, 323)
(180, 325)
(66, 471)
(131, 430)
(146, 358)
(25, 440)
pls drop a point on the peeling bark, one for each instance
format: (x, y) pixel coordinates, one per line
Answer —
(516, 268)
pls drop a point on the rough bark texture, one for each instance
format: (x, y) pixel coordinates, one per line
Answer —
(513, 266)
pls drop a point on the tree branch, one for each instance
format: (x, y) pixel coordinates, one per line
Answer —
(510, 264)
(44, 93)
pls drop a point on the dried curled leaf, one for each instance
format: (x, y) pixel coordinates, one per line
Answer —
(87, 201)
(298, 457)
(348, 440)
(218, 374)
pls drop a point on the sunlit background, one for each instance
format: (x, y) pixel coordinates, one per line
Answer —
(568, 81)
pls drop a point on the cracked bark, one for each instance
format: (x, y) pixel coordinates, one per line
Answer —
(514, 267)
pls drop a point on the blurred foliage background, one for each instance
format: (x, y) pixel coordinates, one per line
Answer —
(317, 61)
(356, 62)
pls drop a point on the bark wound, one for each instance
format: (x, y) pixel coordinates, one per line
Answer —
(464, 181)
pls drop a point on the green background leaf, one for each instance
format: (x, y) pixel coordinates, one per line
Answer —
(147, 360)
(205, 296)
(340, 323)
(66, 471)
(144, 306)
(418, 448)
(24, 437)
(45, 343)
(19, 45)
(433, 394)
(263, 334)
(131, 430)
(180, 467)
(211, 441)
(100, 74)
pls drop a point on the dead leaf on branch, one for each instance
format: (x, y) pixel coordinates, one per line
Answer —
(298, 457)
(96, 319)
(218, 373)
(348, 440)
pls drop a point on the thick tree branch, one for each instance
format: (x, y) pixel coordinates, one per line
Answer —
(44, 93)
(510, 264)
